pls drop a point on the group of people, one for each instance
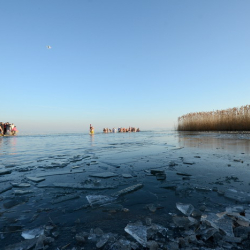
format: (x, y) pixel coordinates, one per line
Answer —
(121, 130)
(7, 129)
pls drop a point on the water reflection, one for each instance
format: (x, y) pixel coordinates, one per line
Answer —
(230, 142)
(92, 140)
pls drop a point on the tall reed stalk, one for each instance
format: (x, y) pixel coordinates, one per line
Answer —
(233, 119)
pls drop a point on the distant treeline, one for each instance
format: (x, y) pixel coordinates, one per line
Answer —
(233, 119)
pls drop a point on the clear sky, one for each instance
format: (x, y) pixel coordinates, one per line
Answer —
(113, 63)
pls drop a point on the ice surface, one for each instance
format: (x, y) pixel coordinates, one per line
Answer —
(138, 232)
(186, 209)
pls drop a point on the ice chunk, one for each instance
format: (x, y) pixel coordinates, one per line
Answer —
(14, 184)
(104, 175)
(237, 196)
(206, 234)
(32, 233)
(138, 232)
(184, 221)
(98, 200)
(223, 223)
(128, 190)
(127, 176)
(103, 240)
(2, 172)
(186, 209)
(20, 192)
(35, 179)
(157, 171)
(154, 229)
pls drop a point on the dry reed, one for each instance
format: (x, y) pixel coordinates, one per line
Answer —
(233, 119)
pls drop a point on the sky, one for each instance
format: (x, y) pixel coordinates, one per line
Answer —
(140, 63)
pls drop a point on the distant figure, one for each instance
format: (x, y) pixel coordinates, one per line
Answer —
(48, 47)
(91, 129)
(14, 131)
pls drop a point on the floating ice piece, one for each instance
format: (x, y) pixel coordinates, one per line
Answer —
(154, 229)
(157, 171)
(97, 200)
(104, 175)
(138, 232)
(188, 162)
(2, 172)
(33, 233)
(184, 221)
(14, 184)
(186, 209)
(20, 192)
(35, 179)
(128, 190)
(223, 223)
(127, 176)
(103, 240)
(233, 194)
(177, 148)
(208, 233)
(235, 209)
(184, 174)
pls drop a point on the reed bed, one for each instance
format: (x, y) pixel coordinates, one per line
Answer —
(233, 119)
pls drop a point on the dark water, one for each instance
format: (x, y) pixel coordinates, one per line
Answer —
(213, 161)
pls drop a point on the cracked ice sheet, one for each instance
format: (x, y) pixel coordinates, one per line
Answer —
(223, 223)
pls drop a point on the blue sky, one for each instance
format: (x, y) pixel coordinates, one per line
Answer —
(115, 63)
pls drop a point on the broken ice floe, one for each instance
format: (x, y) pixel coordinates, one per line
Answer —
(186, 209)
(138, 231)
(21, 185)
(32, 233)
(35, 179)
(104, 175)
(142, 233)
(128, 190)
(97, 200)
(20, 192)
(2, 172)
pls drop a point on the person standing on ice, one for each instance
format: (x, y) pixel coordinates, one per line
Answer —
(91, 129)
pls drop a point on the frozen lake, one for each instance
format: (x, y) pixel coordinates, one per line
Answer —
(107, 181)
